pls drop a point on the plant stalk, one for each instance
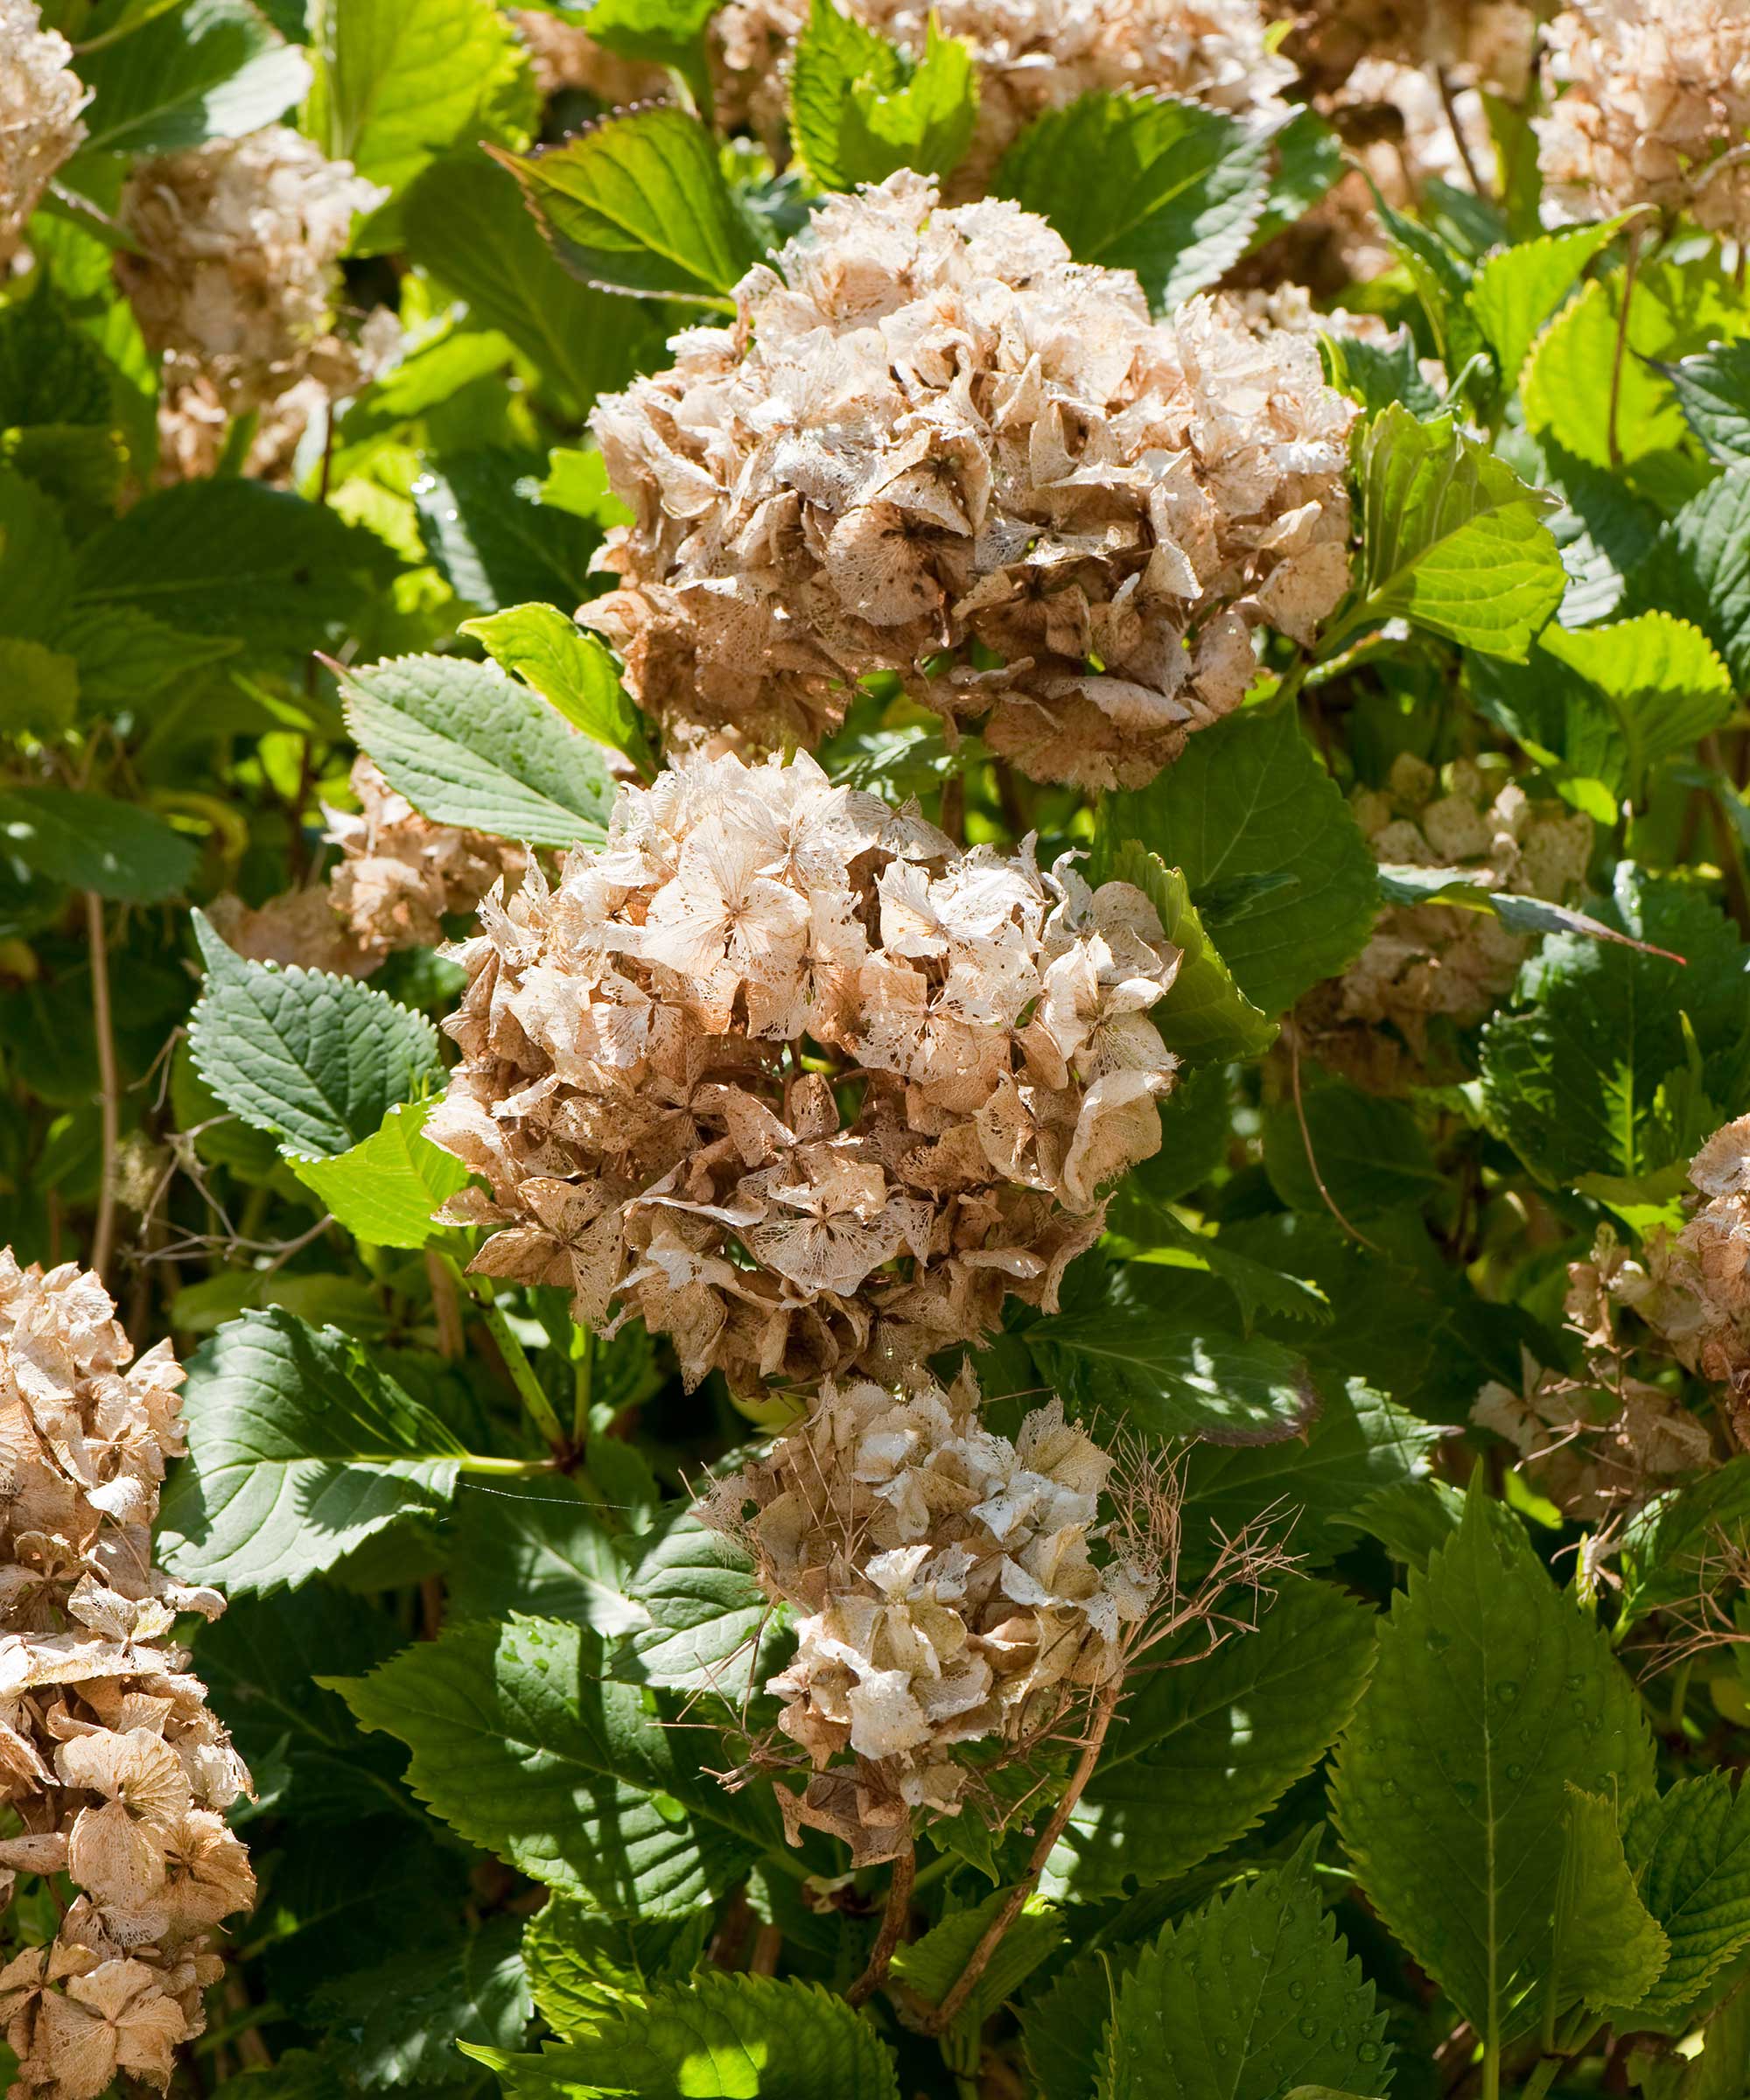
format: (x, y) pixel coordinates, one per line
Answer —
(109, 1097)
(515, 1359)
(1630, 264)
(893, 1921)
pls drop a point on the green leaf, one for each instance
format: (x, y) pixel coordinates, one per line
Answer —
(934, 1964)
(463, 221)
(701, 1613)
(39, 689)
(1515, 291)
(318, 1060)
(716, 2037)
(1608, 1949)
(1283, 882)
(212, 69)
(384, 1190)
(572, 670)
(538, 1546)
(659, 33)
(232, 557)
(1571, 1076)
(36, 561)
(577, 481)
(1371, 1154)
(1205, 1014)
(1205, 1747)
(1668, 1543)
(398, 81)
(1713, 391)
(1064, 2027)
(579, 1965)
(1250, 1997)
(1452, 538)
(300, 1450)
(860, 108)
(1376, 375)
(1700, 569)
(1690, 1853)
(1172, 190)
(125, 657)
(96, 842)
(1135, 1357)
(519, 1746)
(400, 2024)
(50, 371)
(467, 746)
(491, 538)
(1492, 1692)
(640, 205)
(1442, 277)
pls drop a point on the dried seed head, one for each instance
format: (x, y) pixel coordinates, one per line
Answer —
(940, 447)
(115, 1770)
(783, 1074)
(951, 1587)
(40, 99)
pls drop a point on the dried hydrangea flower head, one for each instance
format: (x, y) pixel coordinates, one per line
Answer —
(932, 444)
(1649, 105)
(783, 1074)
(565, 58)
(949, 1588)
(40, 99)
(1443, 961)
(237, 275)
(1031, 56)
(116, 1770)
(1486, 42)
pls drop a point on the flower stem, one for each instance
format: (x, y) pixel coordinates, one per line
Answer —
(505, 1469)
(584, 1379)
(1631, 263)
(893, 1920)
(109, 1098)
(515, 1359)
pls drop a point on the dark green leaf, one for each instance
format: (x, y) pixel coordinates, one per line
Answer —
(1713, 390)
(96, 842)
(400, 2024)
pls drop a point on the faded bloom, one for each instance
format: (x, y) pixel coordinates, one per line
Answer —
(949, 1588)
(934, 444)
(781, 1072)
(565, 57)
(1031, 56)
(1650, 105)
(40, 99)
(115, 1770)
(236, 283)
(1441, 961)
(1486, 42)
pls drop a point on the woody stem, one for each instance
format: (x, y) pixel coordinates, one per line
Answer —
(516, 1363)
(893, 1927)
(109, 1098)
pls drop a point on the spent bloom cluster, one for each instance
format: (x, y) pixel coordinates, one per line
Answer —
(1650, 105)
(111, 1763)
(568, 60)
(1441, 961)
(946, 1589)
(1031, 56)
(1486, 42)
(40, 99)
(933, 445)
(784, 1074)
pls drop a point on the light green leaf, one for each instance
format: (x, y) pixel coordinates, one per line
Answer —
(212, 69)
(577, 481)
(1283, 882)
(1713, 391)
(299, 1451)
(1245, 2000)
(96, 842)
(520, 1746)
(1205, 1014)
(715, 2037)
(860, 108)
(385, 1190)
(640, 205)
(38, 689)
(400, 2024)
(1690, 1853)
(1609, 1952)
(1371, 1155)
(464, 221)
(572, 669)
(318, 1060)
(1169, 189)
(1205, 1747)
(467, 746)
(1515, 291)
(1452, 538)
(581, 1965)
(658, 33)
(1492, 1692)
(933, 1964)
(701, 1613)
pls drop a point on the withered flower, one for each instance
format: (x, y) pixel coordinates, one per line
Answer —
(40, 129)
(783, 1074)
(932, 444)
(565, 57)
(1486, 42)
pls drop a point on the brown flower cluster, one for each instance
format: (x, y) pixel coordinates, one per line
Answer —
(932, 444)
(567, 58)
(115, 1770)
(1031, 56)
(1650, 105)
(1445, 961)
(1490, 42)
(40, 99)
(947, 1591)
(783, 1074)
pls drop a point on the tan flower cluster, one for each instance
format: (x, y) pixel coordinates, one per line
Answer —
(40, 99)
(1441, 960)
(235, 282)
(1031, 56)
(1490, 42)
(946, 1588)
(1650, 106)
(932, 444)
(113, 1767)
(783, 1074)
(565, 57)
